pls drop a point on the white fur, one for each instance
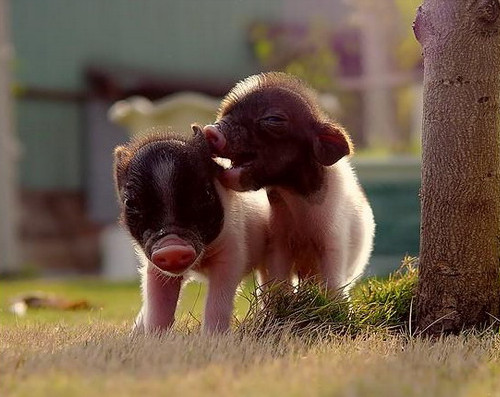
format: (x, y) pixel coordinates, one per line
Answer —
(328, 234)
(239, 248)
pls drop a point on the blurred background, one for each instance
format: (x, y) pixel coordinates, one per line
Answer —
(79, 77)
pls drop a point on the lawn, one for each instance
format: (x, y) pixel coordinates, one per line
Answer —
(90, 353)
(117, 303)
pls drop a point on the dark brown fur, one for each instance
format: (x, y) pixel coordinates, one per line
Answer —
(276, 130)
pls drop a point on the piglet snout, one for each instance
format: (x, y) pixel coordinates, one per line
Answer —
(173, 256)
(216, 139)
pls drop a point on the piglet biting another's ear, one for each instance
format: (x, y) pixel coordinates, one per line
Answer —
(274, 132)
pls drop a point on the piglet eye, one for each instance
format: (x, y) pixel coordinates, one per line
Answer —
(208, 193)
(130, 204)
(274, 119)
(275, 125)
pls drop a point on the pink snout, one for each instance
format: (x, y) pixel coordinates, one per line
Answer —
(174, 258)
(216, 139)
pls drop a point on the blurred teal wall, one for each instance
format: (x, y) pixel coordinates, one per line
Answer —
(55, 39)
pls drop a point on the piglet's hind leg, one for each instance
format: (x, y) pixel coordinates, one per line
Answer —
(332, 270)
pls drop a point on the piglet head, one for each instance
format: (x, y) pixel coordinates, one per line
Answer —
(168, 200)
(272, 129)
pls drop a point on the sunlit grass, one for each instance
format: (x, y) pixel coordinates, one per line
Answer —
(374, 305)
(382, 303)
(110, 301)
(387, 302)
(291, 343)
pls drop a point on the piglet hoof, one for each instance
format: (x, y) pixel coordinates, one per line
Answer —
(138, 327)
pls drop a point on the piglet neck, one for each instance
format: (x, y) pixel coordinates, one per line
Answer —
(305, 179)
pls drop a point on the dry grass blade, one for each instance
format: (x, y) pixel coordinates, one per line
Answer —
(292, 342)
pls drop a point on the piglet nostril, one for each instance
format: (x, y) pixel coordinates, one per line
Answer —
(174, 258)
(215, 138)
(185, 258)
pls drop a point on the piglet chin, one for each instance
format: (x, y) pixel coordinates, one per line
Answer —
(173, 255)
(231, 178)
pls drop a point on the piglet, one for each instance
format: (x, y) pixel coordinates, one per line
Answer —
(185, 223)
(273, 130)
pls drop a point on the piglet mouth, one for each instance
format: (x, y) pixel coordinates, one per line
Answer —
(243, 159)
(219, 147)
(240, 176)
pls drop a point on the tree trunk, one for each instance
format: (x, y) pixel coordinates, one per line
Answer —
(460, 234)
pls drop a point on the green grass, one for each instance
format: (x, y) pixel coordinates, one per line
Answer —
(374, 305)
(289, 344)
(387, 303)
(118, 303)
(113, 302)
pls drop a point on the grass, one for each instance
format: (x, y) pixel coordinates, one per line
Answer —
(301, 345)
(374, 305)
(118, 303)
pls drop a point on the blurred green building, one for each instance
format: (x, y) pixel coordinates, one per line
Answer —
(75, 58)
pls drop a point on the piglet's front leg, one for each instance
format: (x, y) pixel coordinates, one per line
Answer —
(160, 300)
(225, 274)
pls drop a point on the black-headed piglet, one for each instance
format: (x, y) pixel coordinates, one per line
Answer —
(185, 223)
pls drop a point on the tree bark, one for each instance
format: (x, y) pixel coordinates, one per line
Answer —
(460, 196)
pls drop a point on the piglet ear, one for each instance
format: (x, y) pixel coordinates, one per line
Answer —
(199, 138)
(201, 142)
(330, 143)
(122, 155)
(197, 130)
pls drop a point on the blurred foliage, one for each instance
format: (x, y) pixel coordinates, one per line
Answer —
(321, 56)
(408, 51)
(304, 52)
